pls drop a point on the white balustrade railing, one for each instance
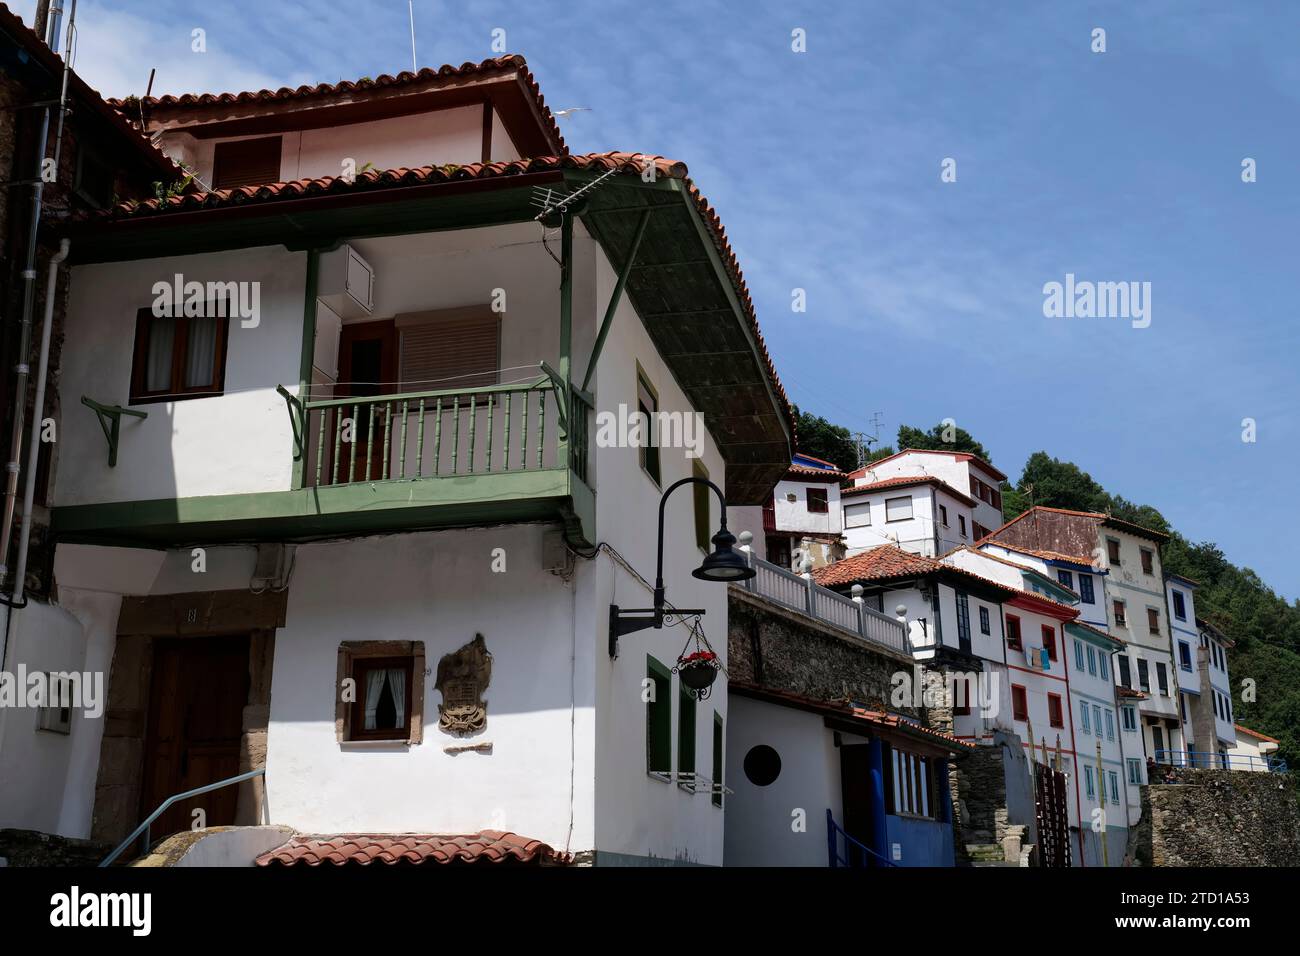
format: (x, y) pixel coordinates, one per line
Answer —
(800, 593)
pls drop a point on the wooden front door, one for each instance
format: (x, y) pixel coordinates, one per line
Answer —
(196, 703)
(367, 366)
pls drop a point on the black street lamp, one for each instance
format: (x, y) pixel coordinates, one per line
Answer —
(722, 564)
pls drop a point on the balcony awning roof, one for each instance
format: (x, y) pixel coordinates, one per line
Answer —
(685, 283)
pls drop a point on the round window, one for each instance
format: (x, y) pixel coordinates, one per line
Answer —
(762, 765)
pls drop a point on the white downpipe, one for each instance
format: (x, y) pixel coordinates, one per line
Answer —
(34, 447)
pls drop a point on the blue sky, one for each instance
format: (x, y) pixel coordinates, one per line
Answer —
(924, 298)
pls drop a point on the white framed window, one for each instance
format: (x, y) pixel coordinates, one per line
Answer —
(1129, 716)
(898, 509)
(857, 516)
(1134, 770)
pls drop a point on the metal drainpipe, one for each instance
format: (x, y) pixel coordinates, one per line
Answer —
(29, 301)
(34, 447)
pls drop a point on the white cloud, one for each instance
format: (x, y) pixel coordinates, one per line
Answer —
(115, 50)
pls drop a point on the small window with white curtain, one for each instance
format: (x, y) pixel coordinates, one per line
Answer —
(380, 693)
(383, 699)
(180, 356)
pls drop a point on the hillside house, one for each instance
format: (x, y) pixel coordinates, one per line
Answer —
(351, 521)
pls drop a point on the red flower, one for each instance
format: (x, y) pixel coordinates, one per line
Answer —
(700, 656)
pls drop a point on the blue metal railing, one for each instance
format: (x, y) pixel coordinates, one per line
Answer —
(833, 833)
(176, 798)
(1204, 760)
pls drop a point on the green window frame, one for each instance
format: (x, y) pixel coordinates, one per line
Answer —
(718, 739)
(659, 719)
(685, 732)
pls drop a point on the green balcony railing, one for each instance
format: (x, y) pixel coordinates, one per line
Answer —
(436, 434)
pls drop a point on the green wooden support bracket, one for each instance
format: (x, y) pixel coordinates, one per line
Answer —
(561, 394)
(110, 420)
(310, 287)
(615, 298)
(296, 413)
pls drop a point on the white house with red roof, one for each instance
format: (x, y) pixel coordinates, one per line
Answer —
(800, 525)
(1135, 603)
(919, 513)
(1253, 750)
(358, 477)
(1062, 699)
(962, 471)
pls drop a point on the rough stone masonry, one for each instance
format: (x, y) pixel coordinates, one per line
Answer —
(1194, 817)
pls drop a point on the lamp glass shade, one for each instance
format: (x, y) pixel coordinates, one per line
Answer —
(723, 563)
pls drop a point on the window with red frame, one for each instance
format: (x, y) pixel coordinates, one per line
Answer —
(1013, 633)
(1153, 620)
(1049, 640)
(1019, 704)
(1148, 562)
(1054, 710)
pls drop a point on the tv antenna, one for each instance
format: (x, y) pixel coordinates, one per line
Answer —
(410, 10)
(572, 109)
(556, 203)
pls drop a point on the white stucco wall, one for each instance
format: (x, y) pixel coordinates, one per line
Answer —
(437, 588)
(795, 516)
(761, 828)
(948, 469)
(639, 815)
(240, 441)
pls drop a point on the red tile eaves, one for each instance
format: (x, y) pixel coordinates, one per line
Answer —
(507, 64)
(624, 163)
(847, 708)
(959, 455)
(1256, 734)
(489, 846)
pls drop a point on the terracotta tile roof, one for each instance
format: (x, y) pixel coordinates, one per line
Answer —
(882, 719)
(631, 163)
(959, 455)
(888, 562)
(624, 163)
(906, 481)
(1256, 734)
(880, 563)
(807, 471)
(507, 64)
(490, 846)
(1084, 560)
(848, 708)
(1130, 692)
(1097, 516)
(821, 461)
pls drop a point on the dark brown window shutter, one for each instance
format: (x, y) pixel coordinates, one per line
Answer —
(246, 162)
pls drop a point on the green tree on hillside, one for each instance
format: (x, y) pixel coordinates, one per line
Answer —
(821, 439)
(941, 438)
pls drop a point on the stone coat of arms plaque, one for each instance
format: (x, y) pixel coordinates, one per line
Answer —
(462, 677)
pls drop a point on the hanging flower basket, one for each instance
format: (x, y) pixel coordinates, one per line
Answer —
(698, 671)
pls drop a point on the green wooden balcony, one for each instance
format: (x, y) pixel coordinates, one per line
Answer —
(396, 462)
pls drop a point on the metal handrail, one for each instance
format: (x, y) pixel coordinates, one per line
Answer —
(162, 807)
(833, 832)
(1207, 760)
